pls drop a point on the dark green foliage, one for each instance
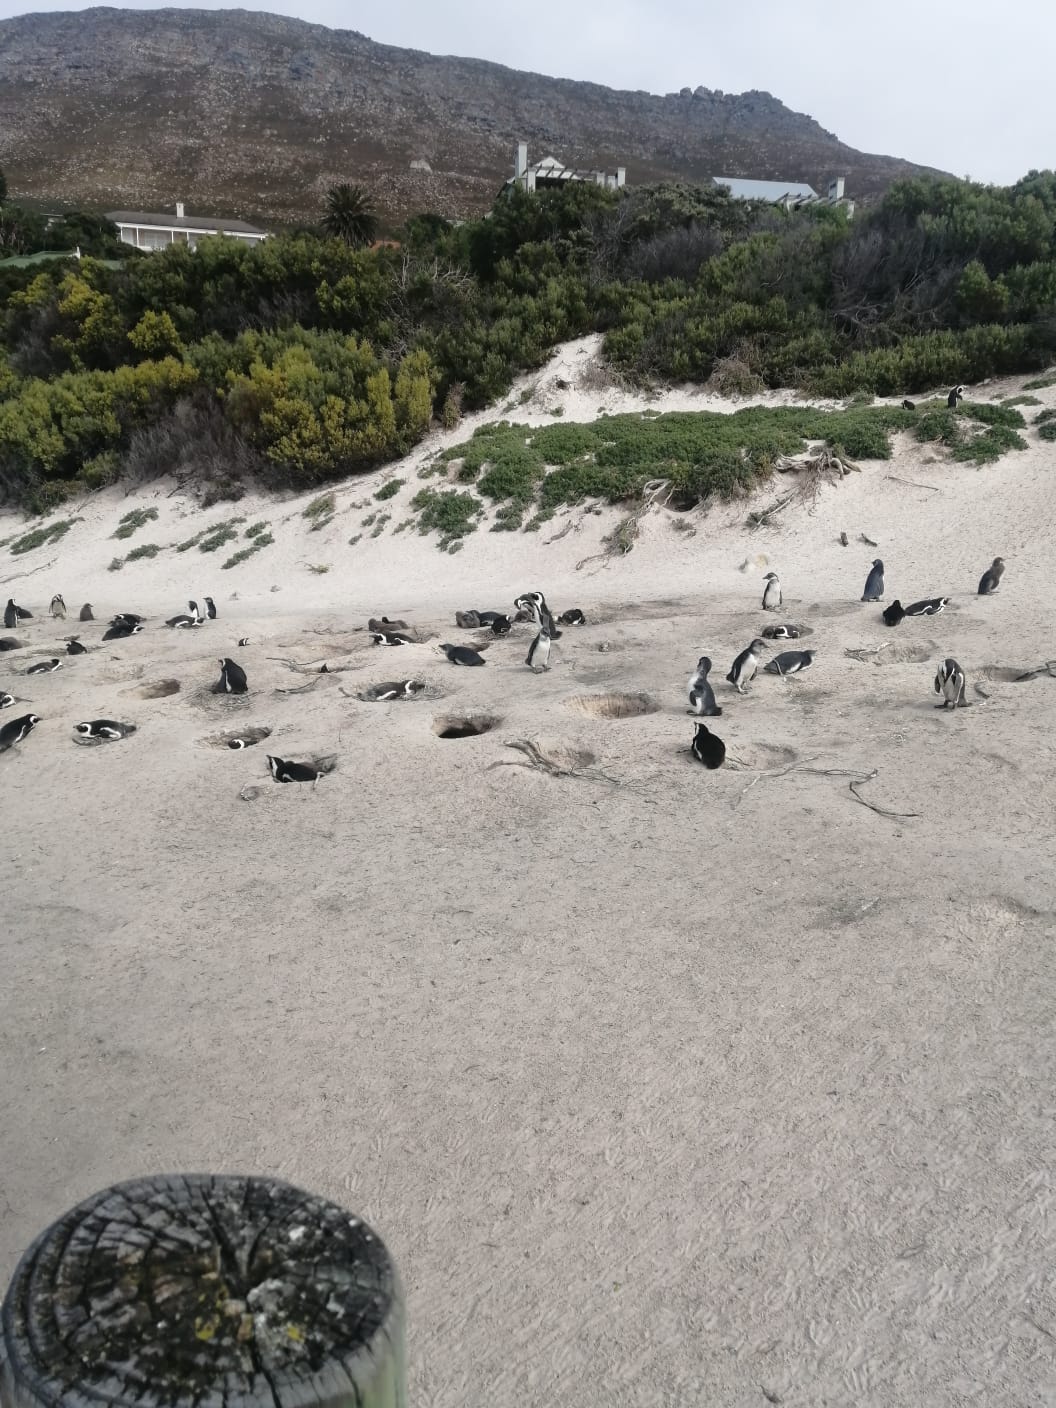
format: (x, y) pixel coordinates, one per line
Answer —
(1040, 383)
(47, 534)
(1021, 401)
(990, 446)
(1048, 431)
(1044, 416)
(350, 215)
(255, 529)
(144, 550)
(320, 511)
(133, 520)
(260, 539)
(446, 512)
(218, 537)
(393, 486)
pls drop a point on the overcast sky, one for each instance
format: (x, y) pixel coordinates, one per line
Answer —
(965, 85)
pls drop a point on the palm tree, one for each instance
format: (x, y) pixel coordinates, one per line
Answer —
(350, 215)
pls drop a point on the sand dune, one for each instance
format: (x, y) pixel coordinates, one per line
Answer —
(664, 1086)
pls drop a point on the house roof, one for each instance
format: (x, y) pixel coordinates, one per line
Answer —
(772, 191)
(162, 221)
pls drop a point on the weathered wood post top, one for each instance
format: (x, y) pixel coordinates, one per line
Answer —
(204, 1291)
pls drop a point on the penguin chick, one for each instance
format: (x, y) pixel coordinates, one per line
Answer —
(772, 592)
(874, 583)
(701, 695)
(991, 578)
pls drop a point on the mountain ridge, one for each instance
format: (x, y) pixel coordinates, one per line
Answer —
(257, 114)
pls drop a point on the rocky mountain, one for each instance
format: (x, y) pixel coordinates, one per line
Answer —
(256, 115)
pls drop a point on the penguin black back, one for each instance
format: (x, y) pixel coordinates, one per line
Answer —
(707, 748)
(18, 729)
(232, 679)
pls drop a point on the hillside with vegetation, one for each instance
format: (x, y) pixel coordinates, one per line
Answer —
(307, 359)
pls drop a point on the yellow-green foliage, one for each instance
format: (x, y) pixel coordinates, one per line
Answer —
(155, 335)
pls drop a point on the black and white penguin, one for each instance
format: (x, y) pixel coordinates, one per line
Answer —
(74, 646)
(86, 612)
(931, 607)
(6, 700)
(772, 592)
(501, 626)
(462, 655)
(538, 657)
(244, 640)
(908, 406)
(236, 743)
(58, 607)
(104, 728)
(781, 633)
(10, 615)
(44, 667)
(232, 679)
(701, 694)
(16, 730)
(390, 638)
(957, 394)
(120, 630)
(397, 689)
(744, 668)
(874, 583)
(185, 619)
(949, 682)
(488, 618)
(991, 578)
(708, 749)
(790, 662)
(572, 617)
(894, 614)
(538, 611)
(126, 618)
(210, 608)
(283, 771)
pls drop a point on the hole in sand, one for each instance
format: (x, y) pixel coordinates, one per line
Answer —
(612, 706)
(1011, 674)
(154, 689)
(906, 654)
(235, 738)
(762, 756)
(465, 725)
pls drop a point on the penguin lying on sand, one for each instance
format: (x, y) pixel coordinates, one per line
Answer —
(390, 638)
(109, 729)
(44, 667)
(781, 632)
(74, 646)
(6, 700)
(396, 689)
(572, 617)
(931, 607)
(894, 614)
(283, 771)
(790, 662)
(17, 730)
(708, 749)
(462, 655)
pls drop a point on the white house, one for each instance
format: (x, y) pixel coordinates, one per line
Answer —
(790, 194)
(159, 231)
(550, 173)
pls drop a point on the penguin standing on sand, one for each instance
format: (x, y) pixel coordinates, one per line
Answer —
(58, 607)
(957, 394)
(17, 730)
(538, 658)
(708, 749)
(534, 603)
(283, 771)
(874, 583)
(10, 615)
(86, 612)
(232, 679)
(744, 668)
(772, 592)
(701, 695)
(949, 682)
(991, 578)
(462, 655)
(210, 608)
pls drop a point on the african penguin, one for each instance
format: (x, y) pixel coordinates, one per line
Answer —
(232, 679)
(535, 604)
(708, 749)
(86, 612)
(121, 630)
(572, 617)
(58, 607)
(6, 700)
(467, 620)
(390, 638)
(488, 618)
(908, 406)
(10, 615)
(931, 607)
(538, 657)
(244, 640)
(16, 730)
(74, 646)
(104, 728)
(44, 667)
(283, 771)
(462, 655)
(991, 578)
(771, 592)
(501, 626)
(874, 583)
(183, 620)
(210, 608)
(781, 633)
(743, 669)
(701, 694)
(128, 618)
(397, 689)
(957, 394)
(790, 662)
(949, 682)
(894, 614)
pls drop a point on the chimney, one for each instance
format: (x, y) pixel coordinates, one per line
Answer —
(836, 189)
(621, 176)
(520, 165)
(179, 210)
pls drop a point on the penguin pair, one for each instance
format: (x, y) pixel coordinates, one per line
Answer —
(18, 729)
(184, 620)
(896, 613)
(232, 679)
(950, 682)
(121, 627)
(991, 578)
(108, 729)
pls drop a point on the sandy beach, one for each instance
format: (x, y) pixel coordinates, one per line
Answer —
(663, 1086)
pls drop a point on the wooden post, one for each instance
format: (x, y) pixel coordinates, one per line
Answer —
(204, 1292)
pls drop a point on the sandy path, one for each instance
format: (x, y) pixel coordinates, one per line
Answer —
(670, 1092)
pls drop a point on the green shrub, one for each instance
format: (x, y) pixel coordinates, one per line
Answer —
(255, 529)
(320, 511)
(1048, 431)
(1040, 383)
(393, 486)
(990, 446)
(1021, 401)
(446, 512)
(1043, 416)
(39, 537)
(133, 520)
(144, 550)
(260, 540)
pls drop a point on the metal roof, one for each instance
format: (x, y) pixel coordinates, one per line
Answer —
(195, 223)
(772, 191)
